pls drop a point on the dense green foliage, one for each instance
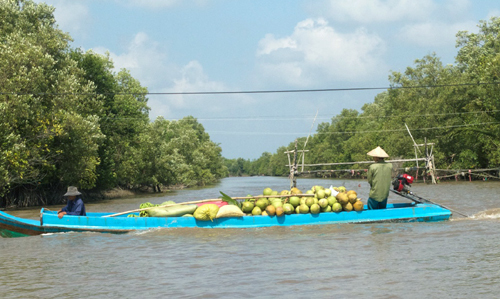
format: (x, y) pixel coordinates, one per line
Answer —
(68, 119)
(454, 106)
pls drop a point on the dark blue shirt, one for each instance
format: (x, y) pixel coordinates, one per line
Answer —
(75, 207)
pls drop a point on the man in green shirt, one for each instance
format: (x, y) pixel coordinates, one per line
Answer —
(379, 178)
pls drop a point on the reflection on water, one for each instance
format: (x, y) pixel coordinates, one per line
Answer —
(451, 259)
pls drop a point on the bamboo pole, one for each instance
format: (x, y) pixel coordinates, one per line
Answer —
(361, 162)
(208, 200)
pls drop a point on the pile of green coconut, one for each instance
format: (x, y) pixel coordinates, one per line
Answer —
(316, 200)
(271, 203)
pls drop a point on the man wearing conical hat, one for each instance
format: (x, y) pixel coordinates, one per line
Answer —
(75, 204)
(379, 178)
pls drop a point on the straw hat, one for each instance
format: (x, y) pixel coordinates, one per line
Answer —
(72, 191)
(378, 152)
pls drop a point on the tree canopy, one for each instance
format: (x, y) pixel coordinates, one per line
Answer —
(69, 119)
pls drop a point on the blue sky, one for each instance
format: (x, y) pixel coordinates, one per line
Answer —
(233, 45)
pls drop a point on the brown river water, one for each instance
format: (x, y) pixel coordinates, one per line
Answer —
(459, 258)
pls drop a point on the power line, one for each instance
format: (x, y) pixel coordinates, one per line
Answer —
(353, 132)
(306, 117)
(299, 117)
(256, 91)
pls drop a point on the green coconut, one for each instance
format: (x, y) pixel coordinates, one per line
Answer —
(262, 203)
(276, 202)
(303, 209)
(336, 207)
(288, 208)
(327, 209)
(310, 201)
(267, 191)
(323, 203)
(256, 211)
(331, 200)
(315, 208)
(247, 207)
(294, 201)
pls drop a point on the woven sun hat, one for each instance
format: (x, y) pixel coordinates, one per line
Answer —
(378, 152)
(72, 191)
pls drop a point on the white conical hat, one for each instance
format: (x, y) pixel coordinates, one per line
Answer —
(378, 152)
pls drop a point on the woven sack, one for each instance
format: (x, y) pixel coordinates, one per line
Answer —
(229, 211)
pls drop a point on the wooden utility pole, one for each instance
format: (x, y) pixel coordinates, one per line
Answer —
(293, 169)
(293, 165)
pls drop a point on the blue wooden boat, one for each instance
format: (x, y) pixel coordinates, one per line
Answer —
(96, 222)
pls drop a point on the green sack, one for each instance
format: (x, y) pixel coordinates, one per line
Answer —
(173, 211)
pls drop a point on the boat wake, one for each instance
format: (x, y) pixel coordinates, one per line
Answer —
(488, 214)
(491, 214)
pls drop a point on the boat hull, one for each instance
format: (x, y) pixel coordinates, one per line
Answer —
(96, 222)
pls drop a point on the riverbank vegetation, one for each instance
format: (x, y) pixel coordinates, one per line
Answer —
(69, 119)
(457, 107)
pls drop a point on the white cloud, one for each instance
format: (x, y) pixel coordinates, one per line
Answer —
(149, 63)
(434, 34)
(192, 78)
(269, 44)
(71, 16)
(146, 60)
(369, 11)
(316, 53)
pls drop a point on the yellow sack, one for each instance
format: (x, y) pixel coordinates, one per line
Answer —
(206, 212)
(229, 211)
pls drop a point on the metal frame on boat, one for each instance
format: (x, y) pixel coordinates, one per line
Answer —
(96, 222)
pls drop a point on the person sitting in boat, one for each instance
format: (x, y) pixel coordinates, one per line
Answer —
(75, 204)
(379, 178)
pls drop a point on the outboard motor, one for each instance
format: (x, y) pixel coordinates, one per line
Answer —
(402, 183)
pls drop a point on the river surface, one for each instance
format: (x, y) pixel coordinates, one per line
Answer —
(452, 259)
